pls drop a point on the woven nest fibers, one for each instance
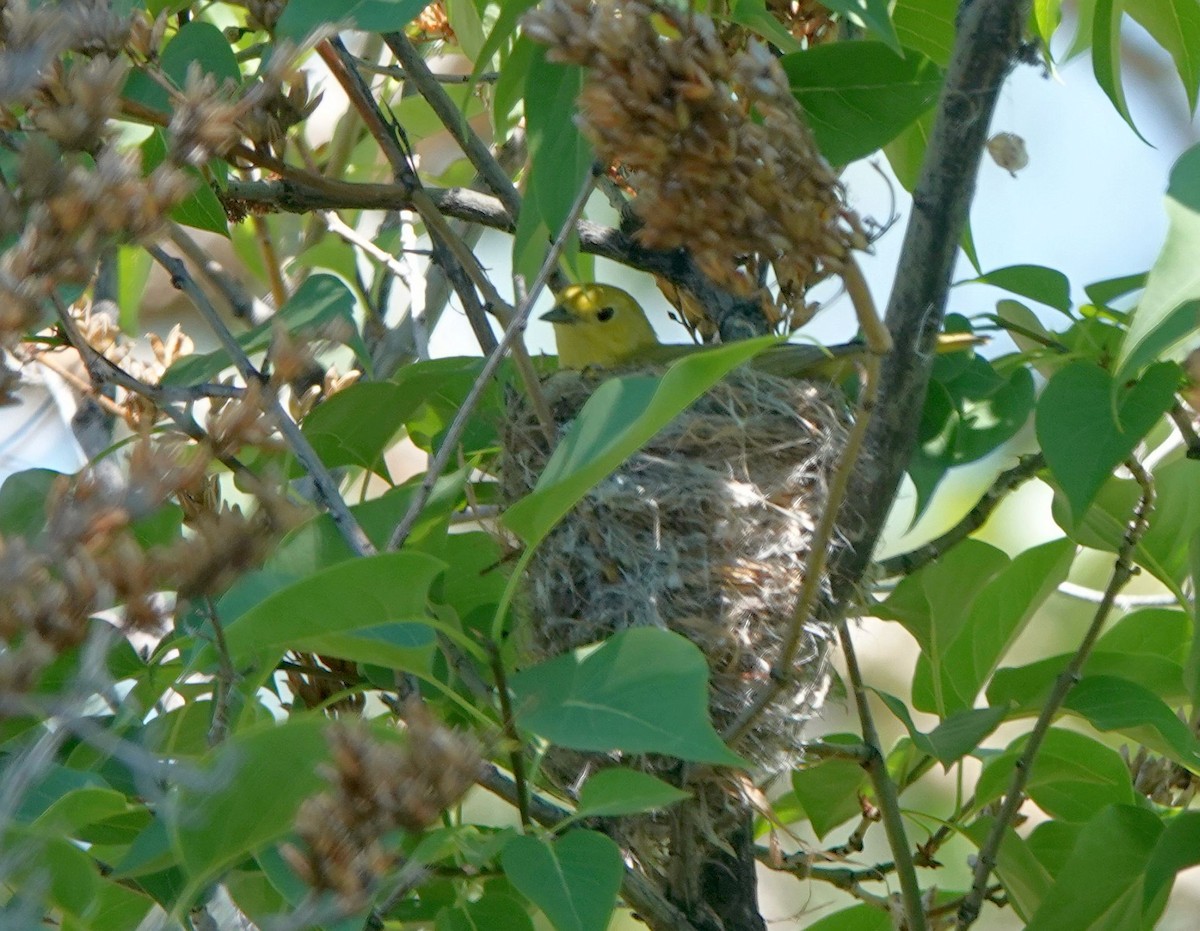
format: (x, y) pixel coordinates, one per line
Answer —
(705, 532)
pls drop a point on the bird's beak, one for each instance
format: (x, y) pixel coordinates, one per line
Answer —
(558, 314)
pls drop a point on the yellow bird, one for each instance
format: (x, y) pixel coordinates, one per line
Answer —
(601, 326)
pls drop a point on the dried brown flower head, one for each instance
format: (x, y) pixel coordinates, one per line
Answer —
(376, 788)
(433, 25)
(712, 141)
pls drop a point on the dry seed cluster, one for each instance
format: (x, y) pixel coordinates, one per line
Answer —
(712, 141)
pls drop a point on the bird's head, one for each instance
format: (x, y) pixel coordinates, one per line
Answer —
(597, 325)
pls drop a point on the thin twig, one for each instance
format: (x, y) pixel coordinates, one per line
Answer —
(782, 670)
(1005, 483)
(516, 755)
(326, 487)
(1123, 571)
(224, 681)
(392, 71)
(511, 334)
(418, 73)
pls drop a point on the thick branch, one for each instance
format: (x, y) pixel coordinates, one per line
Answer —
(986, 43)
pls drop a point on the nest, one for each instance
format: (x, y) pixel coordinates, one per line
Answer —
(705, 532)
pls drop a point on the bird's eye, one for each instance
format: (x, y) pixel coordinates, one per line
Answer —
(605, 314)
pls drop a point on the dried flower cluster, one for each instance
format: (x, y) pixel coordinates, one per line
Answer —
(88, 557)
(210, 121)
(807, 20)
(433, 25)
(1161, 780)
(712, 141)
(377, 788)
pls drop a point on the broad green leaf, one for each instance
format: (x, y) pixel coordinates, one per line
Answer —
(1106, 291)
(560, 158)
(504, 27)
(934, 603)
(372, 609)
(1103, 883)
(357, 425)
(1106, 56)
(829, 791)
(1169, 311)
(874, 15)
(621, 416)
(321, 299)
(1110, 703)
(51, 870)
(302, 17)
(23, 502)
(1177, 849)
(955, 737)
(621, 791)
(1191, 669)
(1073, 776)
(574, 880)
(858, 96)
(950, 681)
(467, 26)
(80, 808)
(1160, 550)
(1025, 880)
(133, 270)
(906, 153)
(1084, 435)
(855, 918)
(256, 782)
(926, 26)
(753, 14)
(197, 43)
(1148, 647)
(1175, 25)
(1036, 282)
(641, 691)
(200, 208)
(487, 912)
(1047, 14)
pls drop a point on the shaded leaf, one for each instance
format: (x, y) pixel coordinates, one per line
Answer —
(620, 791)
(641, 691)
(573, 880)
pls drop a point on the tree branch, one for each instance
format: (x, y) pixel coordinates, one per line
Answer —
(985, 47)
(1123, 571)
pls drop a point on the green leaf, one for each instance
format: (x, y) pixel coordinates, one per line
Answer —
(855, 918)
(1084, 435)
(201, 208)
(959, 734)
(1147, 647)
(256, 782)
(488, 911)
(1106, 56)
(906, 153)
(1103, 883)
(874, 15)
(23, 502)
(1177, 849)
(1025, 880)
(753, 14)
(858, 96)
(133, 271)
(560, 158)
(81, 807)
(357, 425)
(467, 26)
(574, 880)
(926, 26)
(1110, 703)
(505, 25)
(1106, 291)
(321, 299)
(198, 43)
(1036, 282)
(641, 691)
(301, 17)
(1047, 15)
(1175, 25)
(620, 791)
(1169, 312)
(618, 419)
(372, 609)
(950, 681)
(1073, 776)
(829, 791)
